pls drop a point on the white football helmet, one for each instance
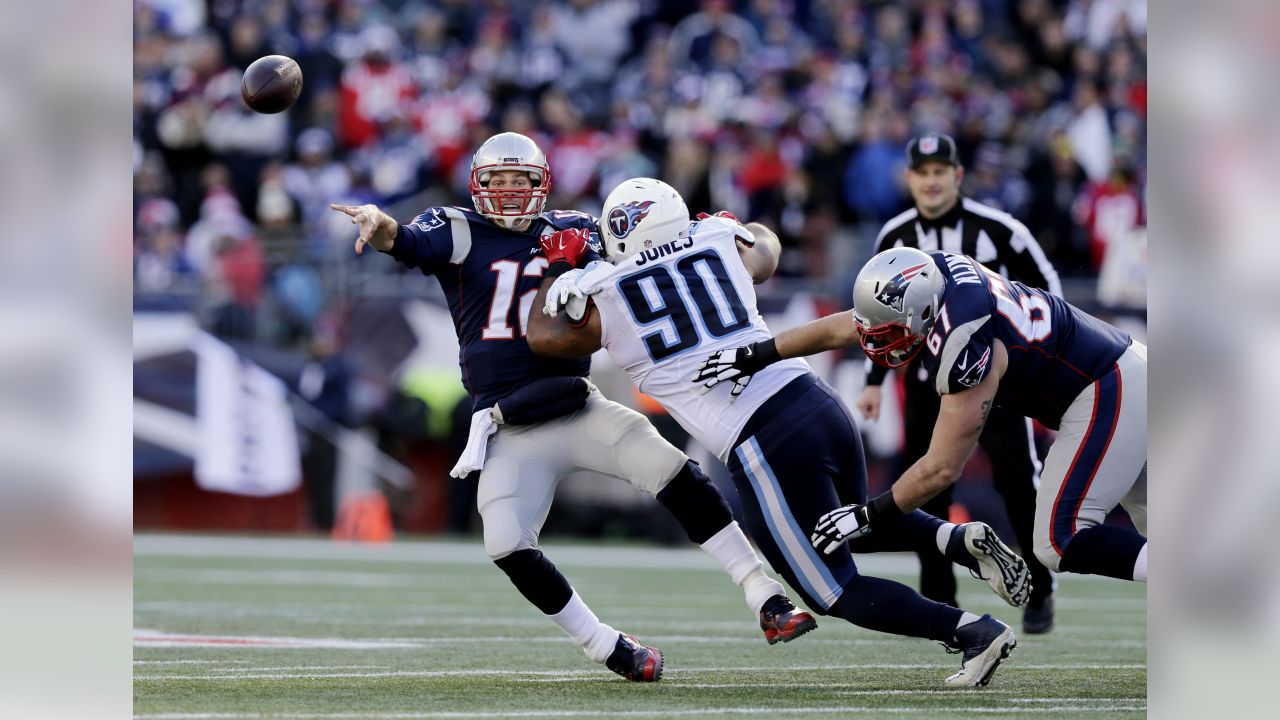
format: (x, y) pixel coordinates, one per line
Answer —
(510, 151)
(896, 299)
(640, 213)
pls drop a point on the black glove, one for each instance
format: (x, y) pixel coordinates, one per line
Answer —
(737, 364)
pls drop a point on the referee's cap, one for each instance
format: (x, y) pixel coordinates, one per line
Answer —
(934, 146)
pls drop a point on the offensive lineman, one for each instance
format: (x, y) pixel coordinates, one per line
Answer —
(942, 219)
(537, 419)
(989, 341)
(677, 289)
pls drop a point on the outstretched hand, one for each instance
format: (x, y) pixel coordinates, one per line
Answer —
(376, 228)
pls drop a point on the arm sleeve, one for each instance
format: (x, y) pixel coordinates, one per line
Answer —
(1027, 262)
(436, 237)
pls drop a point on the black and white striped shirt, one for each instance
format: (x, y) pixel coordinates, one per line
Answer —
(994, 238)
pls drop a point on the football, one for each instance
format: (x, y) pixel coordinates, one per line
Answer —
(271, 84)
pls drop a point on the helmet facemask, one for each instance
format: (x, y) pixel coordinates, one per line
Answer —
(511, 208)
(892, 345)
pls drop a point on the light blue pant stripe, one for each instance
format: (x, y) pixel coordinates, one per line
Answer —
(803, 559)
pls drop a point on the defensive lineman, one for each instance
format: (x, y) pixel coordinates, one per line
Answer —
(678, 289)
(537, 419)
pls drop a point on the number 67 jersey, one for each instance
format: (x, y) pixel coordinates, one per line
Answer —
(663, 310)
(1055, 350)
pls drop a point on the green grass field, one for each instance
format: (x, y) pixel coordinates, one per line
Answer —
(297, 628)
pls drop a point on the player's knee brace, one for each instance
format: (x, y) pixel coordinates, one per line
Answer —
(696, 503)
(537, 579)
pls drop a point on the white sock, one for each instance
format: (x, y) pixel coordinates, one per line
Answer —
(943, 537)
(760, 587)
(596, 638)
(966, 618)
(730, 548)
(1140, 567)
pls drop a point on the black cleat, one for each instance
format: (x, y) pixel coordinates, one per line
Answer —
(1037, 619)
(782, 621)
(633, 661)
(985, 643)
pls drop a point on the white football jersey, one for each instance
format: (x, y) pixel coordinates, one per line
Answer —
(665, 309)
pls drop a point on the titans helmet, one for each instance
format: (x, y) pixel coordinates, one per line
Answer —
(896, 299)
(511, 208)
(641, 213)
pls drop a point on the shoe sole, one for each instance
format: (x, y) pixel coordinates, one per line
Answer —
(1005, 572)
(984, 665)
(806, 624)
(657, 670)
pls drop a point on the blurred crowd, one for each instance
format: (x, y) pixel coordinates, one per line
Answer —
(791, 112)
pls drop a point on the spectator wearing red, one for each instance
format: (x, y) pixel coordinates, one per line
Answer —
(372, 90)
(1108, 209)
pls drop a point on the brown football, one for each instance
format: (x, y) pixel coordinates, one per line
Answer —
(271, 84)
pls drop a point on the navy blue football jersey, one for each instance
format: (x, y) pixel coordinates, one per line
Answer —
(490, 276)
(1055, 350)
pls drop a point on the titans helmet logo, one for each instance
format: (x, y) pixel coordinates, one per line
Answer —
(892, 292)
(624, 218)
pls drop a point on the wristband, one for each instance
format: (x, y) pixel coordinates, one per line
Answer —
(883, 508)
(762, 354)
(558, 268)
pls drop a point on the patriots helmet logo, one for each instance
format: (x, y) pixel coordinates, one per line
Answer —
(893, 291)
(624, 218)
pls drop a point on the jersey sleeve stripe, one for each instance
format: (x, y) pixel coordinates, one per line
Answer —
(956, 342)
(461, 230)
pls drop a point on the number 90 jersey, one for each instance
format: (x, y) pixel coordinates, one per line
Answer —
(665, 309)
(1055, 349)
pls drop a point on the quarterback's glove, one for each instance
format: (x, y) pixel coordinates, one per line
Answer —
(738, 364)
(564, 249)
(565, 293)
(840, 526)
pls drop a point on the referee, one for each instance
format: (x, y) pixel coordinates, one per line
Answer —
(942, 220)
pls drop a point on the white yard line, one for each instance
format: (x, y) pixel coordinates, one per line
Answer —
(144, 637)
(472, 553)
(669, 712)
(554, 676)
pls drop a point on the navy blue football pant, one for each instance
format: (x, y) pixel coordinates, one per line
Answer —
(799, 457)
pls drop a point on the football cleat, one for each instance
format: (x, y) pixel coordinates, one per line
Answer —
(985, 642)
(633, 661)
(1004, 571)
(1037, 618)
(782, 621)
